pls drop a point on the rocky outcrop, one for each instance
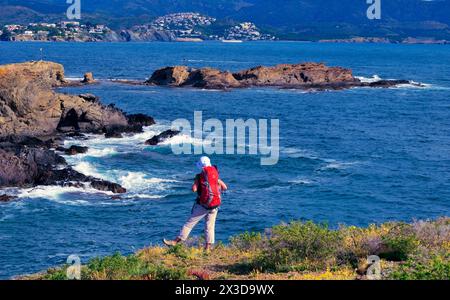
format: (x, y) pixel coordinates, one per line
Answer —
(31, 163)
(295, 75)
(7, 198)
(136, 122)
(207, 78)
(157, 139)
(301, 76)
(22, 166)
(73, 150)
(140, 120)
(29, 106)
(34, 120)
(72, 178)
(103, 185)
(88, 78)
(49, 73)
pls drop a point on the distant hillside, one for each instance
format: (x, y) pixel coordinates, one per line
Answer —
(290, 19)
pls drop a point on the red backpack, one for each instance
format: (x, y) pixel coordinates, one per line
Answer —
(209, 196)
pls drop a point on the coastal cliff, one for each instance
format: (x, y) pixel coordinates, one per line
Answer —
(34, 120)
(297, 76)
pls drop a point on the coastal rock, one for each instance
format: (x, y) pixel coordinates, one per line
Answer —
(37, 71)
(140, 120)
(29, 141)
(90, 97)
(387, 83)
(297, 76)
(103, 185)
(7, 198)
(113, 133)
(72, 178)
(74, 150)
(29, 106)
(157, 139)
(88, 78)
(136, 122)
(34, 119)
(207, 78)
(22, 166)
(175, 76)
(294, 75)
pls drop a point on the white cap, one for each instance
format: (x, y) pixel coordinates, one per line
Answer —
(204, 162)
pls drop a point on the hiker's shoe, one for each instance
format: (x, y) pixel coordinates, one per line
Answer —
(170, 243)
(208, 248)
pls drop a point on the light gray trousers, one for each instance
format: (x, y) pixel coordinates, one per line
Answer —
(198, 213)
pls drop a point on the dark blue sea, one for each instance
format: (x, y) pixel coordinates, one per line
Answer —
(353, 157)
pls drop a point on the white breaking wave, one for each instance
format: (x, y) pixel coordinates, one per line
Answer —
(301, 181)
(73, 78)
(372, 79)
(55, 192)
(298, 153)
(415, 85)
(185, 139)
(333, 164)
(108, 151)
(138, 181)
(411, 84)
(88, 169)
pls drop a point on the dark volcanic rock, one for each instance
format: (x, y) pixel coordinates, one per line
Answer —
(157, 139)
(108, 186)
(74, 150)
(23, 166)
(70, 177)
(76, 135)
(90, 97)
(386, 83)
(140, 120)
(29, 141)
(113, 133)
(7, 198)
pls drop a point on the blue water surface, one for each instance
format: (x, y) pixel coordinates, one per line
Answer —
(354, 157)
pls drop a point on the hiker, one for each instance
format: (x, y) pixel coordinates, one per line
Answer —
(208, 187)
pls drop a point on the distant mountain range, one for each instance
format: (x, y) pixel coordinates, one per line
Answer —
(288, 19)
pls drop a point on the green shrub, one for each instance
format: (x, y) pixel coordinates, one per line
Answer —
(436, 268)
(397, 246)
(247, 241)
(299, 246)
(179, 251)
(118, 267)
(161, 272)
(56, 274)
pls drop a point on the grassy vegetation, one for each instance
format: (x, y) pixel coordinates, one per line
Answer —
(299, 250)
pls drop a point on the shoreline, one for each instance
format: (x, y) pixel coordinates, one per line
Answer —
(443, 42)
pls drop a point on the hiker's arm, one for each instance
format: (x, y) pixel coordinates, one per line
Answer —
(195, 186)
(223, 186)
